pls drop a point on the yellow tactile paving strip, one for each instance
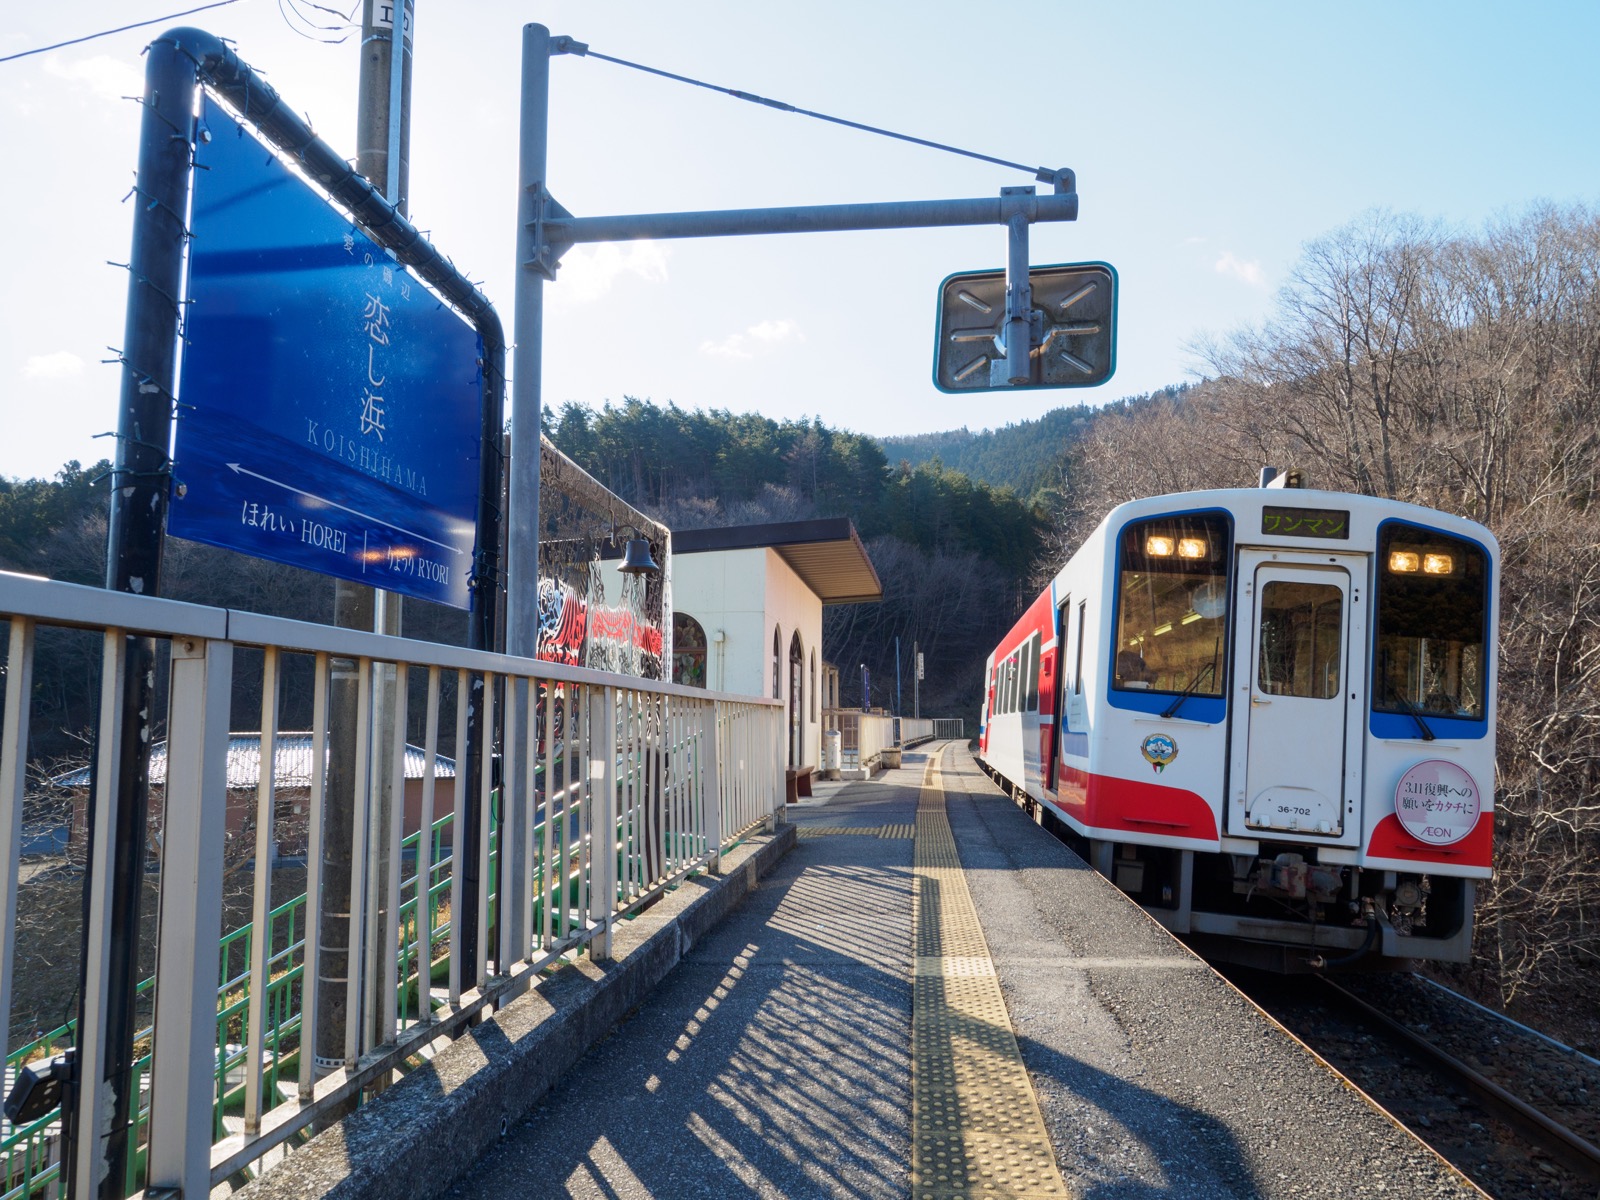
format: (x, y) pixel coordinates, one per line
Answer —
(900, 832)
(976, 1130)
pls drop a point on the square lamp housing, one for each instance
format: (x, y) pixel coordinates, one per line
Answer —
(1072, 330)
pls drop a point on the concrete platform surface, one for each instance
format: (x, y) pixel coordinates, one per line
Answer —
(1156, 1077)
(418, 1137)
(774, 1060)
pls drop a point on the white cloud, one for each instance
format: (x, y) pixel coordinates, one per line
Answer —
(60, 365)
(587, 275)
(758, 338)
(1194, 241)
(1246, 272)
(106, 77)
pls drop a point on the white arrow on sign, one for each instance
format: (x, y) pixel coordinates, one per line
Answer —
(355, 512)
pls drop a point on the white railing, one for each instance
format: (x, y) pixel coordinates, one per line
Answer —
(614, 788)
(915, 730)
(863, 737)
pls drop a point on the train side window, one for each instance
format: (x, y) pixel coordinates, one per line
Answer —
(1077, 672)
(1433, 621)
(1033, 656)
(1172, 605)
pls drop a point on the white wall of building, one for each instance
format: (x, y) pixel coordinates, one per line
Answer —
(746, 594)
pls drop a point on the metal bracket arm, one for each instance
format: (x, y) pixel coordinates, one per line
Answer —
(546, 242)
(822, 218)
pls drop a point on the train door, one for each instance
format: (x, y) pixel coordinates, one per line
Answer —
(1299, 675)
(1058, 706)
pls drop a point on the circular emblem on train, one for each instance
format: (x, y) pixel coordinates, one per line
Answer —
(1158, 750)
(1437, 802)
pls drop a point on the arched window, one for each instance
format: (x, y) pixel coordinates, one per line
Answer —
(777, 670)
(688, 651)
(797, 708)
(813, 687)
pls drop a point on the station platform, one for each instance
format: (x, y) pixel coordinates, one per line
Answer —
(931, 996)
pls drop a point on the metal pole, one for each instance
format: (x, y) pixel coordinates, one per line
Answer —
(522, 556)
(381, 157)
(897, 674)
(136, 538)
(1019, 303)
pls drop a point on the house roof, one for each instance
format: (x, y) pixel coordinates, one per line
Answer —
(291, 763)
(827, 554)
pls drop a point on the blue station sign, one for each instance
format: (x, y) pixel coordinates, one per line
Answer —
(328, 401)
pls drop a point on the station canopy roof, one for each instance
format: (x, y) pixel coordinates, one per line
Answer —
(827, 554)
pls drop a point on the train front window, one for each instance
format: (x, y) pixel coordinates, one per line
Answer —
(1433, 619)
(1172, 605)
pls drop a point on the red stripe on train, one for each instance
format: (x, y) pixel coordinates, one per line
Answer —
(1106, 802)
(1390, 840)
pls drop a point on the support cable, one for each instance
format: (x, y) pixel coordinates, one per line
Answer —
(119, 29)
(567, 45)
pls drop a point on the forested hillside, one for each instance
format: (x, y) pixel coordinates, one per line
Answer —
(952, 553)
(1028, 456)
(1459, 371)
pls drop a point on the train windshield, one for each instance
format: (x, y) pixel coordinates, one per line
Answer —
(1172, 605)
(1433, 619)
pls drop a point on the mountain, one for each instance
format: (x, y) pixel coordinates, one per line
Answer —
(1026, 457)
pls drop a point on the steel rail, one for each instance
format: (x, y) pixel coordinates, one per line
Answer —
(1576, 1152)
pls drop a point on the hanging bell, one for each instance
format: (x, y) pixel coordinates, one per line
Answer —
(636, 558)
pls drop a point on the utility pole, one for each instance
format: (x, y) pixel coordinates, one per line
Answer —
(383, 132)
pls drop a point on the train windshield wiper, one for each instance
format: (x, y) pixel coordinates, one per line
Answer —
(1409, 709)
(1172, 709)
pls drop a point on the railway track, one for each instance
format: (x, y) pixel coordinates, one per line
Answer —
(1515, 1112)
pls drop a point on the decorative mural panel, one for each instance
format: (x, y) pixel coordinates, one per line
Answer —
(581, 525)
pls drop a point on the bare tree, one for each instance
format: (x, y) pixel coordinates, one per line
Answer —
(1460, 371)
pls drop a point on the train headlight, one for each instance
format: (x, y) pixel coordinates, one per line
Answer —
(1403, 562)
(1191, 548)
(1158, 547)
(1438, 564)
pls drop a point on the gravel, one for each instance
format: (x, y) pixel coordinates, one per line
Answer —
(1498, 1157)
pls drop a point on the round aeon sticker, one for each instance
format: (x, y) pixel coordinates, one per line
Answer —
(1437, 802)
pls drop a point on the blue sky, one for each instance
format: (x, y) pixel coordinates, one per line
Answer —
(1210, 141)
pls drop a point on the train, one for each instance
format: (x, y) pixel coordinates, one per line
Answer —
(1268, 715)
